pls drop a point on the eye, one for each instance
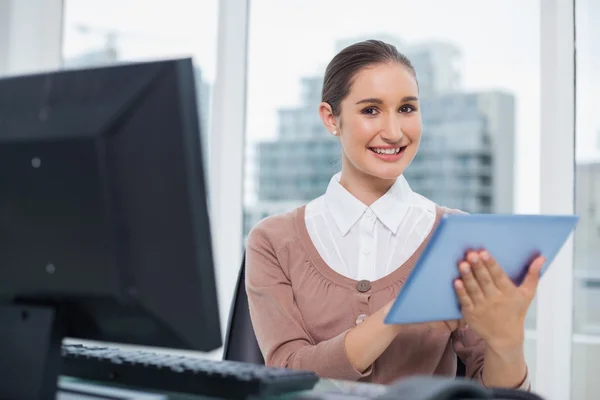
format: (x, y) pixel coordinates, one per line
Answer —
(407, 108)
(370, 111)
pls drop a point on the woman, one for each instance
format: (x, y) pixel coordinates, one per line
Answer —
(320, 279)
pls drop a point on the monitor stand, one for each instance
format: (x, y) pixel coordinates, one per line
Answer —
(30, 351)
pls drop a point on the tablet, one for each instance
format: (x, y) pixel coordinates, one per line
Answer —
(513, 240)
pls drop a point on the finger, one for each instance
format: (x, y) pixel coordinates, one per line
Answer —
(487, 285)
(470, 283)
(466, 304)
(533, 275)
(501, 280)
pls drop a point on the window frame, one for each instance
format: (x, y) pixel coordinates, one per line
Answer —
(557, 169)
(227, 172)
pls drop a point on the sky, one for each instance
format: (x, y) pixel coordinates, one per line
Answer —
(499, 40)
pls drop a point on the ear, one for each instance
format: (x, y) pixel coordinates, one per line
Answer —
(328, 118)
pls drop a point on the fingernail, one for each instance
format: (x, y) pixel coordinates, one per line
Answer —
(484, 255)
(474, 258)
(464, 268)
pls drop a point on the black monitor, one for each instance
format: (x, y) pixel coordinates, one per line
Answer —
(104, 229)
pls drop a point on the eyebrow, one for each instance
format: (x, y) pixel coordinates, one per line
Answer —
(379, 101)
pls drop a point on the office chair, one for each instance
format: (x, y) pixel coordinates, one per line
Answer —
(240, 341)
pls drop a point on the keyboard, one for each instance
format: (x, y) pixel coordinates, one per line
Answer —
(179, 374)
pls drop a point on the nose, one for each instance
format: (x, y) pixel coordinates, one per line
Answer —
(392, 131)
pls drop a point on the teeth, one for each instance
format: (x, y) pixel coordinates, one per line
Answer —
(387, 151)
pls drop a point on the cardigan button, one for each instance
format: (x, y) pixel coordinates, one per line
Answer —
(361, 318)
(363, 286)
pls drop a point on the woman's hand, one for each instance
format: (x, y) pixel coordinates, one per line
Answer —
(361, 348)
(492, 305)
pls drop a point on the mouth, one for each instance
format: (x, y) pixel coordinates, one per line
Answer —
(390, 154)
(389, 151)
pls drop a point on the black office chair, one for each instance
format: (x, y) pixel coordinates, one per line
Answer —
(240, 342)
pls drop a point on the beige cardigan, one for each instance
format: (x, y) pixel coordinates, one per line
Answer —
(301, 310)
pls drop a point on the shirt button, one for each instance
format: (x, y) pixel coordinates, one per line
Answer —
(369, 213)
(363, 286)
(361, 318)
(366, 250)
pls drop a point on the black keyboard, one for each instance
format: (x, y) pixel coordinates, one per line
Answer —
(179, 374)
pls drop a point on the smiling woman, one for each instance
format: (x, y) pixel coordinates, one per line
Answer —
(370, 98)
(479, 109)
(321, 278)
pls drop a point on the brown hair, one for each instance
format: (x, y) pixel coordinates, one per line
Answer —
(348, 62)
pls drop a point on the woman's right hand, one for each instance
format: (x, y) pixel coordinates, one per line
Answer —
(362, 350)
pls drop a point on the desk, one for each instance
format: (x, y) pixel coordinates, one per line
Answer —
(74, 389)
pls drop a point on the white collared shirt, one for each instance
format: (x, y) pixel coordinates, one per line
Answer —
(363, 242)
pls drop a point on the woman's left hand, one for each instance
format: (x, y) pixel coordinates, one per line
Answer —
(492, 305)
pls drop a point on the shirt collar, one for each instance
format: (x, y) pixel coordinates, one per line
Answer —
(343, 206)
(347, 210)
(391, 208)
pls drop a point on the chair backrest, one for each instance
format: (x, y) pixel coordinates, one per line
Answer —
(240, 342)
(460, 368)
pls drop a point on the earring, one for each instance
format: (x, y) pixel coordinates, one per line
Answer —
(335, 133)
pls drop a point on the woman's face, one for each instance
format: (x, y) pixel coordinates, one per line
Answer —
(380, 123)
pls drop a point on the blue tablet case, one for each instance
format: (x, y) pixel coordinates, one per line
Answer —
(513, 240)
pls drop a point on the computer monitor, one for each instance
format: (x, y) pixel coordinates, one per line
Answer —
(104, 229)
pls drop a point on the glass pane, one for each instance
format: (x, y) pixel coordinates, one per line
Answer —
(101, 32)
(586, 273)
(479, 85)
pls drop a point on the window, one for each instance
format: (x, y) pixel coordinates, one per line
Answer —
(586, 267)
(463, 78)
(101, 32)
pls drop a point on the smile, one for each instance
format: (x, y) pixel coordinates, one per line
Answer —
(390, 154)
(390, 151)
